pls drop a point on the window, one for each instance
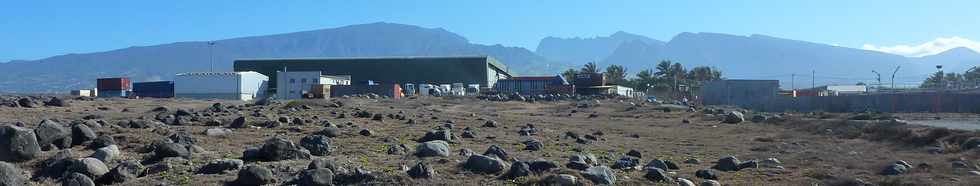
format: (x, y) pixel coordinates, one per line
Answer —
(291, 80)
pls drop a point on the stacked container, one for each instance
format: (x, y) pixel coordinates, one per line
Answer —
(154, 89)
(112, 87)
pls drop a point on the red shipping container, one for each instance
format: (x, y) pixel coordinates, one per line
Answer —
(120, 83)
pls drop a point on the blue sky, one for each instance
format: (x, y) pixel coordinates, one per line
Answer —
(34, 29)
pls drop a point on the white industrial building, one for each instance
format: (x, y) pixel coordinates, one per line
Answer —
(293, 84)
(220, 85)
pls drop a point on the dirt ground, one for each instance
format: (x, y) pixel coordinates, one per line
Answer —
(811, 154)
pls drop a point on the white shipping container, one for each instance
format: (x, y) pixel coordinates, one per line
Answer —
(220, 85)
(82, 93)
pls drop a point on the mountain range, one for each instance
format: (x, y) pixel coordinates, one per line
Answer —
(753, 57)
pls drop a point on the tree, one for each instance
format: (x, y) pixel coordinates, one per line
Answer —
(644, 80)
(590, 68)
(703, 73)
(972, 77)
(663, 68)
(616, 74)
(569, 75)
(933, 81)
(953, 80)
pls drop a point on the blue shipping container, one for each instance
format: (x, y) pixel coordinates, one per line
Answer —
(111, 93)
(155, 89)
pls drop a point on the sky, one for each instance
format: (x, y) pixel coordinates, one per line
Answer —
(38, 29)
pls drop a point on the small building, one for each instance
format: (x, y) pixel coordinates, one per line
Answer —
(297, 83)
(586, 79)
(220, 85)
(528, 85)
(832, 90)
(612, 90)
(154, 89)
(839, 90)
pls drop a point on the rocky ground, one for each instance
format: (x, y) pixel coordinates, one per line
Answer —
(468, 141)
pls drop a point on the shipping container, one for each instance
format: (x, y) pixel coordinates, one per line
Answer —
(155, 89)
(590, 79)
(82, 93)
(220, 85)
(528, 85)
(119, 83)
(112, 93)
(320, 91)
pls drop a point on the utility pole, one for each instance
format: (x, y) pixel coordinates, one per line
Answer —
(211, 54)
(813, 79)
(893, 76)
(878, 77)
(793, 82)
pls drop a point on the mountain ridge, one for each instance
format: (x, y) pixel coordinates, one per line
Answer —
(735, 55)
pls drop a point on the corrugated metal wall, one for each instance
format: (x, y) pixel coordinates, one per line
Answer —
(523, 87)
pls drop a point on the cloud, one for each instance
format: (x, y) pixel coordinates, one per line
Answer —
(928, 48)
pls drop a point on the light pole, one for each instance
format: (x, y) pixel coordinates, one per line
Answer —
(211, 54)
(877, 77)
(939, 69)
(893, 76)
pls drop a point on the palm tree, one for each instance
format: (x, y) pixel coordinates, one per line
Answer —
(616, 74)
(569, 75)
(590, 68)
(663, 68)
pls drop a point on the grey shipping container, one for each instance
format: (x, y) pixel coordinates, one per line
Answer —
(527, 85)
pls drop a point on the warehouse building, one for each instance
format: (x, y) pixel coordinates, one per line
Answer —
(220, 85)
(482, 70)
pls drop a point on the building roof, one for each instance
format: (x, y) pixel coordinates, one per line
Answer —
(535, 78)
(214, 73)
(493, 62)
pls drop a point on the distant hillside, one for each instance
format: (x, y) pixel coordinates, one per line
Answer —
(953, 60)
(582, 50)
(161, 62)
(765, 57)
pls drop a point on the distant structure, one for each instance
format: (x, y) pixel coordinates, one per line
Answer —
(530, 85)
(482, 70)
(112, 87)
(154, 89)
(297, 83)
(220, 85)
(739, 92)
